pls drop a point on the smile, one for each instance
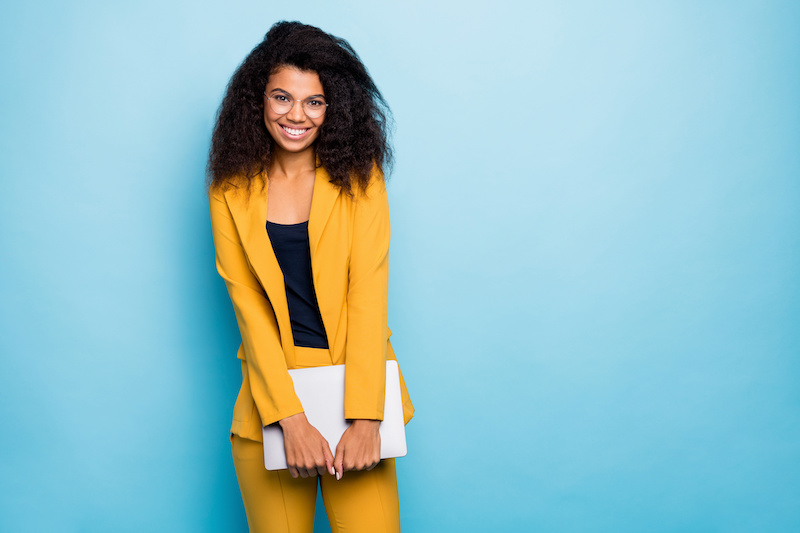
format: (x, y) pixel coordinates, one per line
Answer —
(294, 133)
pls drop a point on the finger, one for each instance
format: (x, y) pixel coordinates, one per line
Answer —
(328, 460)
(293, 471)
(337, 462)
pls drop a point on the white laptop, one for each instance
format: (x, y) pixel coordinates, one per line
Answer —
(321, 392)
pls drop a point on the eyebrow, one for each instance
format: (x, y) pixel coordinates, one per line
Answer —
(290, 94)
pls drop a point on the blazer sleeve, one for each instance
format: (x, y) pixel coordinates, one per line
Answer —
(270, 383)
(367, 305)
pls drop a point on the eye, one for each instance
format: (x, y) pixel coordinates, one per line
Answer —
(280, 98)
(316, 103)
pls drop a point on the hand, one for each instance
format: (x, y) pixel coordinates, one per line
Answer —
(359, 447)
(307, 451)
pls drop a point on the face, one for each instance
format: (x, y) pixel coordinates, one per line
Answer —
(293, 131)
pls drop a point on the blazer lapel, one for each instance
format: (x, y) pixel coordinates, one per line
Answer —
(250, 217)
(322, 202)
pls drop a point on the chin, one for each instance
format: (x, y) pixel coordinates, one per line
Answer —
(295, 147)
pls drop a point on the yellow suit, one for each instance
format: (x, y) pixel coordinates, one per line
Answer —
(349, 242)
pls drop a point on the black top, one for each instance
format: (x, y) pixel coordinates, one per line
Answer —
(290, 244)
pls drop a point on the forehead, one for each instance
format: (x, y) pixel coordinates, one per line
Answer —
(298, 83)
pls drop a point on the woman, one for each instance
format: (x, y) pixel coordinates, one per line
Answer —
(300, 220)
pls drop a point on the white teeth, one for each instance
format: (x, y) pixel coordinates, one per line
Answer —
(292, 131)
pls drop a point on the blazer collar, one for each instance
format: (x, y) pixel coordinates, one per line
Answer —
(251, 220)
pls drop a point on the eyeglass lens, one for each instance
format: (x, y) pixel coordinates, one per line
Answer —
(313, 107)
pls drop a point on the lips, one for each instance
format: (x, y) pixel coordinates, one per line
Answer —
(294, 133)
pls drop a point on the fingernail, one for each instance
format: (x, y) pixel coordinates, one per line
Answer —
(337, 476)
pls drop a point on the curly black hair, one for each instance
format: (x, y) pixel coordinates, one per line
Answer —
(354, 138)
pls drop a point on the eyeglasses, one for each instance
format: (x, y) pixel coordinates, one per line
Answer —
(313, 106)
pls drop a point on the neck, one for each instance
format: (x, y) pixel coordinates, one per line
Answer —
(292, 164)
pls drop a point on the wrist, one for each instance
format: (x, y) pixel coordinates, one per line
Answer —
(293, 420)
(366, 422)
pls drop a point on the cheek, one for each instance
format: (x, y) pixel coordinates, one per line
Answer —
(270, 116)
(271, 123)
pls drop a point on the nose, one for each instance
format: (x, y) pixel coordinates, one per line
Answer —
(296, 113)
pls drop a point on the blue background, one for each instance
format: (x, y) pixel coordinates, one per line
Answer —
(594, 283)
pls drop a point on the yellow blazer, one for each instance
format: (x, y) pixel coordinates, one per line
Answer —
(349, 242)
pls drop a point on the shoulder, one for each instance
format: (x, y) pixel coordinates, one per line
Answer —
(234, 190)
(216, 193)
(218, 188)
(369, 206)
(374, 190)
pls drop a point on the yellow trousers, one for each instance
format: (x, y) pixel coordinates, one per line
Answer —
(275, 502)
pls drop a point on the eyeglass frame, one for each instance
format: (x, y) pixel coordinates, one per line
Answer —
(302, 105)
